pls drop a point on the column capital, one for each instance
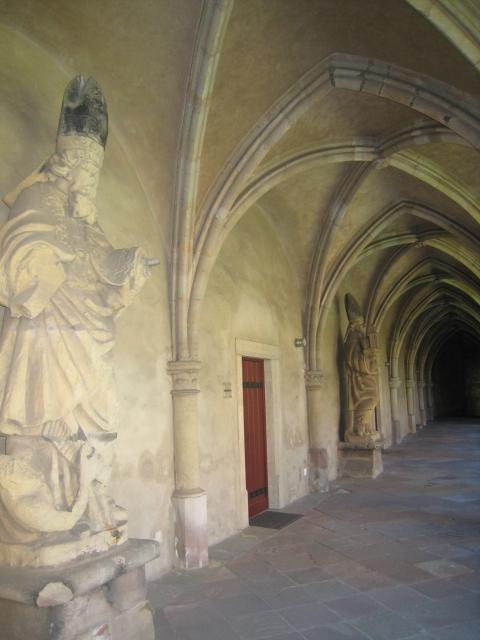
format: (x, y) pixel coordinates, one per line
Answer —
(394, 383)
(184, 376)
(314, 379)
(410, 384)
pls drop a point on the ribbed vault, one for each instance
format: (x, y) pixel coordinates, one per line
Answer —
(366, 167)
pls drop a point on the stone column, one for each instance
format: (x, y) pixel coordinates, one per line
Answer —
(318, 456)
(394, 384)
(430, 408)
(410, 387)
(421, 402)
(189, 500)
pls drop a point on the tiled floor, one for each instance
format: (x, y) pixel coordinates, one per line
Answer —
(387, 559)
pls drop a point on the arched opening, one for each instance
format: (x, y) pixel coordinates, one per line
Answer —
(456, 375)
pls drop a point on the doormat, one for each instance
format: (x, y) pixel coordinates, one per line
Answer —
(274, 519)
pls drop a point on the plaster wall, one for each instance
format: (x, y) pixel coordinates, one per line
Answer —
(252, 296)
(140, 54)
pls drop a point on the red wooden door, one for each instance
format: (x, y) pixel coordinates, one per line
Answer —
(255, 434)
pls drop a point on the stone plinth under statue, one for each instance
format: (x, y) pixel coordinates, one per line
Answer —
(359, 460)
(102, 596)
(360, 456)
(67, 570)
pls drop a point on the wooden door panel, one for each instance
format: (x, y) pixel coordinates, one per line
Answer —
(255, 434)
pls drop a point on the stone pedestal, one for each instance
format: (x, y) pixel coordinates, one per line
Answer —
(360, 461)
(101, 597)
(191, 537)
(318, 459)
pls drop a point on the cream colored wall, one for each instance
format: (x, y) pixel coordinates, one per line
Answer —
(140, 54)
(252, 295)
(31, 89)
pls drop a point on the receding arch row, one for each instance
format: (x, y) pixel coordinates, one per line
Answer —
(379, 305)
(458, 309)
(430, 97)
(356, 150)
(364, 154)
(432, 349)
(421, 353)
(421, 305)
(351, 254)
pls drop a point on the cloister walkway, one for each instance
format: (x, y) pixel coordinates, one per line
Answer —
(392, 558)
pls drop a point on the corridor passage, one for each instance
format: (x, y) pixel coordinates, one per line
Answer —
(390, 558)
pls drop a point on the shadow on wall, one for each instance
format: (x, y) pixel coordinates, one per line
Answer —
(456, 375)
(341, 376)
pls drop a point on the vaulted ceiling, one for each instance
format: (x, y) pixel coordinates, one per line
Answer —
(363, 172)
(353, 125)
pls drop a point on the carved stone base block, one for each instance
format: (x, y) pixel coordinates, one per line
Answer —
(318, 470)
(191, 535)
(101, 597)
(355, 461)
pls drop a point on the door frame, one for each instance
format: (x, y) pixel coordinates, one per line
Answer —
(270, 354)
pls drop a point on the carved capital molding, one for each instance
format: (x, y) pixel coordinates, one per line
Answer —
(410, 384)
(184, 376)
(314, 379)
(394, 383)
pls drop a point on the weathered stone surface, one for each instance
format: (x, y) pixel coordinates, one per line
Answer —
(63, 286)
(105, 598)
(134, 624)
(361, 369)
(356, 462)
(53, 594)
(128, 590)
(24, 585)
(318, 470)
(21, 621)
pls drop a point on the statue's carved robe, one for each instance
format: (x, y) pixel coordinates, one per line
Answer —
(362, 379)
(63, 285)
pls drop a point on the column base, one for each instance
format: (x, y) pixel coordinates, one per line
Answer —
(356, 461)
(318, 478)
(396, 432)
(412, 425)
(191, 534)
(102, 596)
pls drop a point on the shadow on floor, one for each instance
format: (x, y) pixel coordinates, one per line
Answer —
(387, 559)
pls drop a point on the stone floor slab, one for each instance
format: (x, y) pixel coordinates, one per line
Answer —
(306, 616)
(444, 568)
(266, 624)
(386, 625)
(354, 606)
(392, 558)
(339, 631)
(399, 598)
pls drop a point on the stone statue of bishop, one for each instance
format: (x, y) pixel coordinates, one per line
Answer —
(63, 286)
